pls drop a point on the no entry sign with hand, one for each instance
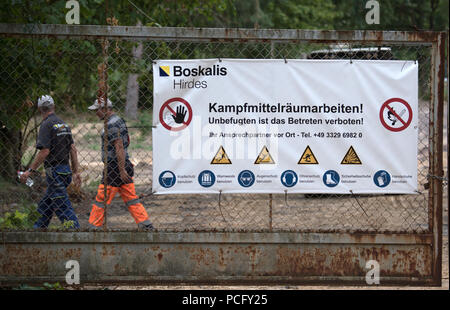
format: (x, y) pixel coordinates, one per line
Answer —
(175, 114)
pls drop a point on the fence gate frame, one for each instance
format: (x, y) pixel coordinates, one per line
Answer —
(239, 257)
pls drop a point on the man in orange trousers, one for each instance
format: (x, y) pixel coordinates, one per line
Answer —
(119, 170)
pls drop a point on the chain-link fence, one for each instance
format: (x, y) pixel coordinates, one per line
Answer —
(72, 72)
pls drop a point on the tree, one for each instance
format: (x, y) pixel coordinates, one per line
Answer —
(408, 15)
(288, 14)
(67, 68)
(131, 107)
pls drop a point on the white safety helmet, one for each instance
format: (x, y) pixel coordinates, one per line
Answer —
(96, 104)
(45, 101)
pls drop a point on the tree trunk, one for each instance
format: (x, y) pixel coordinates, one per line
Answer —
(131, 106)
(434, 6)
(257, 14)
(9, 153)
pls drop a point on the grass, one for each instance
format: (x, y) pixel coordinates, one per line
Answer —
(91, 136)
(93, 185)
(143, 123)
(141, 143)
(95, 146)
(140, 146)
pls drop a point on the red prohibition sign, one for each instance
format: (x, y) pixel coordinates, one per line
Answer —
(405, 123)
(166, 105)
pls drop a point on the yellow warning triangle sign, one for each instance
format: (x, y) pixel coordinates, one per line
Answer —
(264, 157)
(351, 158)
(221, 158)
(308, 158)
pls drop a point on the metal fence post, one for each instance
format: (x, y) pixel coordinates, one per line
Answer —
(436, 147)
(270, 211)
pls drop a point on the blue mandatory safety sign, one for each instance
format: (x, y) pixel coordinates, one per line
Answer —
(246, 178)
(289, 178)
(167, 179)
(382, 178)
(331, 178)
(206, 178)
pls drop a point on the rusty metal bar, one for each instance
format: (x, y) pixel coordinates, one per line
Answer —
(270, 211)
(216, 34)
(215, 258)
(436, 154)
(207, 237)
(448, 132)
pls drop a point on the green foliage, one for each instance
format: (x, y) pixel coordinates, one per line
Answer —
(67, 69)
(288, 14)
(95, 147)
(45, 286)
(306, 14)
(66, 225)
(395, 15)
(141, 145)
(22, 218)
(26, 287)
(54, 286)
(93, 185)
(143, 123)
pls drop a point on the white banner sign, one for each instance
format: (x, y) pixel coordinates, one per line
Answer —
(271, 126)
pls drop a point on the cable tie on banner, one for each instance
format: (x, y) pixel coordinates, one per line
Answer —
(147, 195)
(404, 66)
(285, 61)
(285, 198)
(351, 191)
(220, 60)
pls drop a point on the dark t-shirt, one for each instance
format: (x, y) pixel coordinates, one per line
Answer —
(56, 136)
(117, 129)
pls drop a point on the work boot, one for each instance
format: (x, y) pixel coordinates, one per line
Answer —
(95, 228)
(146, 225)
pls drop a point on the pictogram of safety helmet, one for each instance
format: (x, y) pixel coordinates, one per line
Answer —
(45, 101)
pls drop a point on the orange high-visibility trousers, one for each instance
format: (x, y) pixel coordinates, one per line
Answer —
(129, 197)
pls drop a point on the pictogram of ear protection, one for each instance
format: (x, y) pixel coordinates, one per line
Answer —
(294, 178)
